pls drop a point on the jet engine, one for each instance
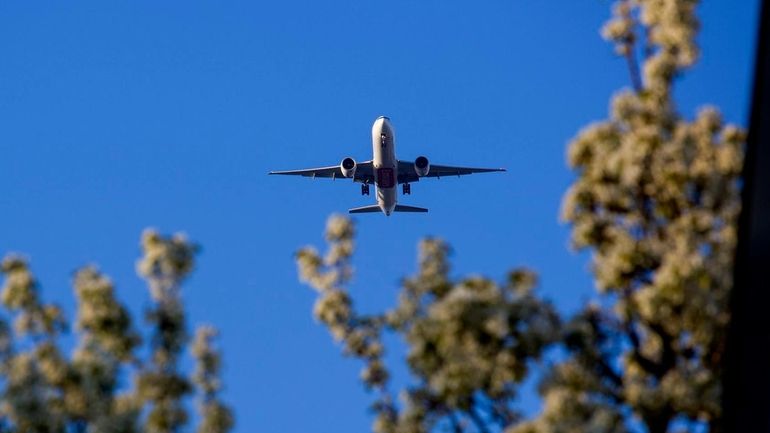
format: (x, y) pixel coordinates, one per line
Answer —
(348, 167)
(421, 166)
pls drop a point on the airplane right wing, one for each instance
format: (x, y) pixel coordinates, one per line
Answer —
(364, 172)
(407, 174)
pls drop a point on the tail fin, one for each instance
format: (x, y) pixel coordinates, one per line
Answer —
(402, 208)
(365, 209)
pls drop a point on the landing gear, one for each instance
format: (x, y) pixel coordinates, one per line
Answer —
(365, 189)
(383, 140)
(406, 189)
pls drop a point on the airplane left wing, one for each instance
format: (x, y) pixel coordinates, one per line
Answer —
(364, 172)
(406, 172)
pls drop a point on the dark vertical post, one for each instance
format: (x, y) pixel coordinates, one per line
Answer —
(746, 399)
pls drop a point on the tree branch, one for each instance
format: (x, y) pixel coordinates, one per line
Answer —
(480, 426)
(633, 67)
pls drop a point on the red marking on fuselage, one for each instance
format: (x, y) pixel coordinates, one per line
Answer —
(385, 178)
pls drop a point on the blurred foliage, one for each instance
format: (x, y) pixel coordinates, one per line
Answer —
(43, 390)
(656, 198)
(470, 341)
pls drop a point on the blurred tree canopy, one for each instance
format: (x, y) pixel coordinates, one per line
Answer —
(469, 341)
(656, 198)
(45, 391)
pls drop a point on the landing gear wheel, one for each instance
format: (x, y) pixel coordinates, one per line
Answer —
(407, 189)
(365, 189)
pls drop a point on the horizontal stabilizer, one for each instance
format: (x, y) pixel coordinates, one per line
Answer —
(402, 208)
(366, 209)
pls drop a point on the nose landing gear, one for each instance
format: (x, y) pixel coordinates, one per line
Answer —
(406, 189)
(365, 189)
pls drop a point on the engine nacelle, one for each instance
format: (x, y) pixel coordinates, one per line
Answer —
(421, 166)
(348, 167)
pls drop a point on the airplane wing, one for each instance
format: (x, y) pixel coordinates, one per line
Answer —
(364, 172)
(407, 174)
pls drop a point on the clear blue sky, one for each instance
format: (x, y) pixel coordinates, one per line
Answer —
(116, 116)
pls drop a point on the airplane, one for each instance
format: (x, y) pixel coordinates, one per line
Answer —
(385, 172)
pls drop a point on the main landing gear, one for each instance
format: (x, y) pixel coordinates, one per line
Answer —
(406, 189)
(365, 189)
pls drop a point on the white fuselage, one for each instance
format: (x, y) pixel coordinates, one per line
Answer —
(385, 164)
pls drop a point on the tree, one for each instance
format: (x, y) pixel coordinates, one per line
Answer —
(46, 391)
(656, 201)
(470, 341)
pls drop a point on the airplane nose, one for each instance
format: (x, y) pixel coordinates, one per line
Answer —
(382, 126)
(385, 124)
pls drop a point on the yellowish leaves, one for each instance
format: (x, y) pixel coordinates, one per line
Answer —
(160, 386)
(620, 29)
(47, 392)
(327, 275)
(101, 317)
(19, 289)
(466, 339)
(20, 295)
(375, 374)
(206, 375)
(165, 263)
(673, 27)
(656, 200)
(215, 416)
